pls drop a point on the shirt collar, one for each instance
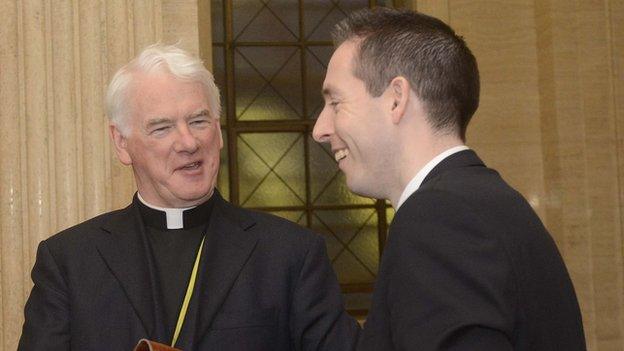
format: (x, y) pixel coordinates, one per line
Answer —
(174, 218)
(415, 183)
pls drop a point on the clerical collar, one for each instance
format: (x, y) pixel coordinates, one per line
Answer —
(174, 218)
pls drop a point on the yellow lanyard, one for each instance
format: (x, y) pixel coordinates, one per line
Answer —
(187, 297)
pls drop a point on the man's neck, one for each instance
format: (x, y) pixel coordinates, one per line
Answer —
(416, 155)
(414, 184)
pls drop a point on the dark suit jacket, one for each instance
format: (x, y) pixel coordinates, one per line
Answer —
(469, 266)
(264, 284)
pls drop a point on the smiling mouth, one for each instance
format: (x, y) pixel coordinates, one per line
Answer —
(191, 166)
(340, 154)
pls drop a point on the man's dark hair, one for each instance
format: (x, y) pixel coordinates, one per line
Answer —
(427, 52)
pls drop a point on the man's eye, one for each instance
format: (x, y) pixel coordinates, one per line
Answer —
(159, 130)
(199, 122)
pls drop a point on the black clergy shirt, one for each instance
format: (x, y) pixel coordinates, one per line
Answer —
(173, 252)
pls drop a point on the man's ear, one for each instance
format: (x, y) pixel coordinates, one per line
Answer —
(399, 90)
(121, 145)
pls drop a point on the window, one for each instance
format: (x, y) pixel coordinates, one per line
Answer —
(269, 59)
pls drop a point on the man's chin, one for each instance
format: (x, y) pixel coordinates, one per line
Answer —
(196, 198)
(358, 188)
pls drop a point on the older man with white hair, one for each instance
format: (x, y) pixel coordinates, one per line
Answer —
(180, 265)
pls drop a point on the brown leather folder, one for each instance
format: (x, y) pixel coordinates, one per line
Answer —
(147, 345)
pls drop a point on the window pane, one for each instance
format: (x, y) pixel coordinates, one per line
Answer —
(293, 216)
(358, 302)
(322, 15)
(327, 182)
(317, 58)
(265, 87)
(217, 16)
(256, 21)
(352, 242)
(389, 214)
(270, 172)
(218, 70)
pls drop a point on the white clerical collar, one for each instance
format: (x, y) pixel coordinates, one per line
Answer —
(415, 183)
(175, 216)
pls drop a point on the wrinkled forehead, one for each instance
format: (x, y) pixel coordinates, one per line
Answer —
(163, 93)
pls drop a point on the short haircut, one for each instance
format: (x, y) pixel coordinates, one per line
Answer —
(439, 66)
(157, 58)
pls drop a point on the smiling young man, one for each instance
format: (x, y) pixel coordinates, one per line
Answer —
(180, 265)
(468, 265)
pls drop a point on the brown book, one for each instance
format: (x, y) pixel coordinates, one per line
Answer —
(147, 345)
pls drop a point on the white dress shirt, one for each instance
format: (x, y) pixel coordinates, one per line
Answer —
(415, 183)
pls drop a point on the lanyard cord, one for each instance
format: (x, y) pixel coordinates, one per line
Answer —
(187, 296)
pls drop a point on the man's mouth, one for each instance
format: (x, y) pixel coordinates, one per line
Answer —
(340, 154)
(191, 166)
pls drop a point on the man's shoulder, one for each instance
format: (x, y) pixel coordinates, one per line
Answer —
(273, 229)
(480, 202)
(84, 231)
(280, 228)
(480, 188)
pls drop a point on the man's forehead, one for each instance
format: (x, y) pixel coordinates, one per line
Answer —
(331, 90)
(156, 97)
(343, 55)
(202, 111)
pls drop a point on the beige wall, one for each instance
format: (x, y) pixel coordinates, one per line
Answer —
(56, 167)
(551, 121)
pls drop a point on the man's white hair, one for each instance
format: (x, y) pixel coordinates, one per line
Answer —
(158, 58)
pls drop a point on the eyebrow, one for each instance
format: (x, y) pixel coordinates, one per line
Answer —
(155, 121)
(161, 120)
(203, 112)
(328, 91)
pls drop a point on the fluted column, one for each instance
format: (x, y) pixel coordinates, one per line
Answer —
(12, 248)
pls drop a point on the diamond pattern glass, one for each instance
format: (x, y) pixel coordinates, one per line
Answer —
(327, 182)
(322, 15)
(317, 58)
(265, 89)
(279, 62)
(358, 301)
(253, 18)
(269, 169)
(352, 243)
(293, 216)
(218, 70)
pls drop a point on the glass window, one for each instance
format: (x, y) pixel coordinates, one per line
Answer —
(269, 60)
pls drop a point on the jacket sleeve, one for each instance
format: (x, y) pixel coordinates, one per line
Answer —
(445, 282)
(318, 318)
(46, 325)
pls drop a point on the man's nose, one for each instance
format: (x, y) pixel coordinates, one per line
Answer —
(186, 141)
(324, 127)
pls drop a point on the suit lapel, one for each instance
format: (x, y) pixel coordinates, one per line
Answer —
(125, 252)
(227, 248)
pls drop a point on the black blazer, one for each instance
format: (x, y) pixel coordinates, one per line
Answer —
(264, 284)
(469, 266)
